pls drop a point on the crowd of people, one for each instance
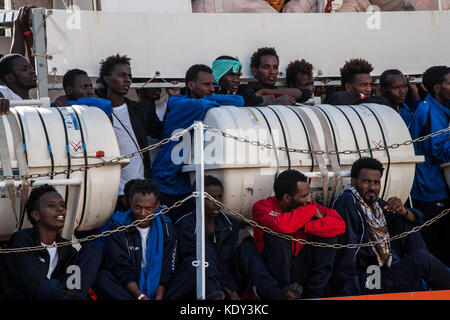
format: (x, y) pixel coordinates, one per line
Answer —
(154, 259)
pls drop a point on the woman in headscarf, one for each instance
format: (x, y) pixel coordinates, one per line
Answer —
(227, 74)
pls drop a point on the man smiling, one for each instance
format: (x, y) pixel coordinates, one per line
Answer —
(43, 274)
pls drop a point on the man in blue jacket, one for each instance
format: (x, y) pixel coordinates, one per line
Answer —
(403, 262)
(182, 112)
(139, 262)
(231, 266)
(429, 191)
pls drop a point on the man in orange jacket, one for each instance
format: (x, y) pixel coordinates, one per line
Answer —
(292, 212)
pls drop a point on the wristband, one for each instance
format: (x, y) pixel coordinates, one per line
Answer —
(142, 296)
(28, 32)
(273, 96)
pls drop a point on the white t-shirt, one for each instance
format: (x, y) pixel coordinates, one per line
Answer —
(9, 94)
(160, 109)
(127, 145)
(144, 235)
(53, 252)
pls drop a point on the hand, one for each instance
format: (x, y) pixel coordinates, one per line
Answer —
(285, 100)
(4, 106)
(274, 213)
(260, 92)
(394, 204)
(413, 88)
(318, 214)
(145, 298)
(23, 18)
(232, 295)
(61, 101)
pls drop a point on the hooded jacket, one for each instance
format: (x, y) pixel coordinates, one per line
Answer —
(182, 112)
(299, 222)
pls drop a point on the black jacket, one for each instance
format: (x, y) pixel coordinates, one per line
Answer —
(351, 264)
(220, 246)
(144, 122)
(247, 91)
(21, 273)
(123, 254)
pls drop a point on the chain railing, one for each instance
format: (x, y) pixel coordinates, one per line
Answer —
(233, 213)
(106, 233)
(325, 245)
(224, 134)
(239, 217)
(321, 152)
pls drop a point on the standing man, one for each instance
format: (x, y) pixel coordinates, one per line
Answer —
(402, 262)
(429, 191)
(355, 76)
(292, 212)
(299, 74)
(132, 121)
(396, 87)
(18, 77)
(356, 83)
(264, 65)
(227, 74)
(183, 111)
(151, 97)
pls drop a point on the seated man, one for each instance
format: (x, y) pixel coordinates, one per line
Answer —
(292, 212)
(429, 191)
(264, 66)
(227, 74)
(183, 112)
(396, 88)
(231, 266)
(139, 261)
(402, 262)
(44, 274)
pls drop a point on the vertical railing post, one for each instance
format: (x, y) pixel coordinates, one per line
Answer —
(40, 61)
(200, 209)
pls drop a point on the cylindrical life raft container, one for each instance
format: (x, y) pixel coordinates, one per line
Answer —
(56, 139)
(248, 170)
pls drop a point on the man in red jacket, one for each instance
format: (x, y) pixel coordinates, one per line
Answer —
(292, 212)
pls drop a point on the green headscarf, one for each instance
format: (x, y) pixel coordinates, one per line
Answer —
(222, 66)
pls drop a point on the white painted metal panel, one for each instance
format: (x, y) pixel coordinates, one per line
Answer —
(154, 6)
(170, 43)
